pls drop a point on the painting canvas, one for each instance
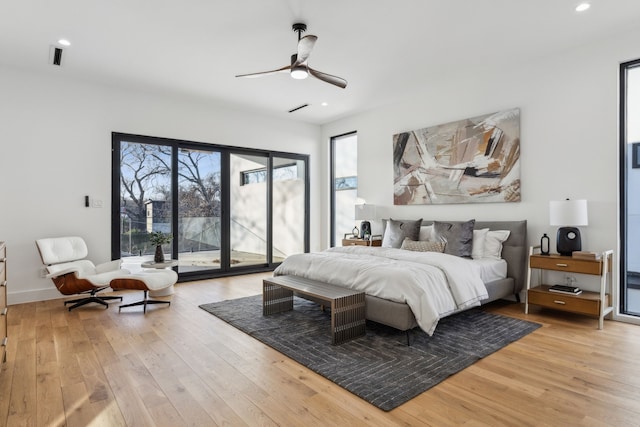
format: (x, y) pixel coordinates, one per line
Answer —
(476, 160)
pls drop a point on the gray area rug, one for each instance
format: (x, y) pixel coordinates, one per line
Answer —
(378, 367)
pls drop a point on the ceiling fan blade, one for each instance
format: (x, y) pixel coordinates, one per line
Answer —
(334, 80)
(264, 73)
(305, 46)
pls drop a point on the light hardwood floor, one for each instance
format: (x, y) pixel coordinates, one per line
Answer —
(180, 366)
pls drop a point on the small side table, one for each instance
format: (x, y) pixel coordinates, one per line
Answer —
(160, 265)
(361, 242)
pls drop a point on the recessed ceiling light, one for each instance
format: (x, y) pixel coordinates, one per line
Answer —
(324, 104)
(582, 7)
(64, 42)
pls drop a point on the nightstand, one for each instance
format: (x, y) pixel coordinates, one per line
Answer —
(597, 304)
(361, 242)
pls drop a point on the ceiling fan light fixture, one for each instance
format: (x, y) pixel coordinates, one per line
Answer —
(299, 72)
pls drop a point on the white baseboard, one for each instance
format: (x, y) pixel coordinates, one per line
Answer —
(35, 295)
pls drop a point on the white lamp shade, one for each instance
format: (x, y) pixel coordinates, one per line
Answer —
(568, 213)
(365, 212)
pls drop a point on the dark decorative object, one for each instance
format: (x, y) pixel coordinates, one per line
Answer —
(544, 245)
(568, 240)
(159, 255)
(365, 229)
(159, 238)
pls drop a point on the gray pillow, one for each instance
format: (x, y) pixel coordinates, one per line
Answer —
(458, 235)
(396, 231)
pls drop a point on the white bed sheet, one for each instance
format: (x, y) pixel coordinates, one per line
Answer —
(491, 269)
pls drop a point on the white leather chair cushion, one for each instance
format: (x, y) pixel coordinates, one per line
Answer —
(62, 249)
(84, 269)
(156, 279)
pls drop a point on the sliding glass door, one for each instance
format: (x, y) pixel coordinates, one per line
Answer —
(289, 207)
(199, 208)
(144, 202)
(248, 208)
(229, 210)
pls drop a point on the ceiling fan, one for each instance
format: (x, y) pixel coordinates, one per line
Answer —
(299, 68)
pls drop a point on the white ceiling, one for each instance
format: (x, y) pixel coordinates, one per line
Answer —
(384, 49)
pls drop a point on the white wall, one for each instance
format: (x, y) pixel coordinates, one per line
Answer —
(569, 137)
(56, 148)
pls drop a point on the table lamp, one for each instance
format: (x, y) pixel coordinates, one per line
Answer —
(569, 215)
(365, 212)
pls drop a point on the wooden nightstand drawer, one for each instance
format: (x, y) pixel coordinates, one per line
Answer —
(361, 242)
(585, 303)
(565, 263)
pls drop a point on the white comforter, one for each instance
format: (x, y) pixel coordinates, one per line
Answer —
(434, 285)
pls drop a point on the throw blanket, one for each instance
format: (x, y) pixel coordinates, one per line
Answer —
(434, 285)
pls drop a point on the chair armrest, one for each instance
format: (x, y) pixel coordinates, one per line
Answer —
(61, 273)
(108, 266)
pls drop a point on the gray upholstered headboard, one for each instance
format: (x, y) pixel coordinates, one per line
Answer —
(514, 249)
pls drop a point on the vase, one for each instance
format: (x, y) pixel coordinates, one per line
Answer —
(159, 255)
(544, 244)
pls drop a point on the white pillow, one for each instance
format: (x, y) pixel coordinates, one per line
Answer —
(479, 238)
(426, 232)
(493, 243)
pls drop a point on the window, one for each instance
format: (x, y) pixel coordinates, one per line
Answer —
(260, 175)
(344, 184)
(630, 188)
(220, 224)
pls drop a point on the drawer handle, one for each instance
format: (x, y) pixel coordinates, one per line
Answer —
(562, 265)
(3, 283)
(559, 302)
(4, 342)
(4, 312)
(3, 259)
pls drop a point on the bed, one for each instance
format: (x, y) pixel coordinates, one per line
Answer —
(379, 271)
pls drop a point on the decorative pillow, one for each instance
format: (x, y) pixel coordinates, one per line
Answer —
(423, 245)
(458, 235)
(479, 237)
(426, 232)
(493, 243)
(397, 230)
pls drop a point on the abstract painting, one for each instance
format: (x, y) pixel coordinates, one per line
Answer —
(476, 160)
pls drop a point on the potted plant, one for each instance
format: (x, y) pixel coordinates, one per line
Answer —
(159, 238)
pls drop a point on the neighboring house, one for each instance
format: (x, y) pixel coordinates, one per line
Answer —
(156, 214)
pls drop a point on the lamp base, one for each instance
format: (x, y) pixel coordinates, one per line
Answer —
(568, 240)
(365, 229)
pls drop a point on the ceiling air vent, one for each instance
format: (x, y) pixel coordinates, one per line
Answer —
(298, 108)
(55, 56)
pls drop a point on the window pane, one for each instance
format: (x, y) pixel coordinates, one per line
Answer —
(631, 278)
(345, 169)
(288, 207)
(145, 197)
(248, 208)
(199, 198)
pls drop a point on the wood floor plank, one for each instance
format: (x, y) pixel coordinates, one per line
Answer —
(179, 366)
(23, 401)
